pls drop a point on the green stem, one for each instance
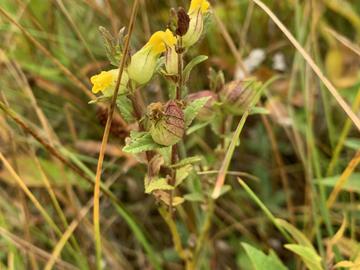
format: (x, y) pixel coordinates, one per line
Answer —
(204, 231)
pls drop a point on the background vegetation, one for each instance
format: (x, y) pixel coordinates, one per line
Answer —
(298, 162)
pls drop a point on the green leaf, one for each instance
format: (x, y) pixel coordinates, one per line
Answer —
(194, 197)
(165, 152)
(298, 236)
(125, 107)
(216, 80)
(259, 110)
(182, 174)
(186, 161)
(311, 259)
(224, 189)
(216, 123)
(196, 127)
(197, 60)
(156, 184)
(353, 143)
(352, 184)
(140, 142)
(261, 261)
(304, 248)
(113, 46)
(193, 109)
(33, 178)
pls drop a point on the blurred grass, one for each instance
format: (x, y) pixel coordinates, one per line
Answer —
(52, 80)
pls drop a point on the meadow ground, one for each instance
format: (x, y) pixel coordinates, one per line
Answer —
(229, 141)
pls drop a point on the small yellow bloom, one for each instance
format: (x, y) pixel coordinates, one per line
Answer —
(143, 62)
(196, 26)
(106, 81)
(160, 39)
(195, 5)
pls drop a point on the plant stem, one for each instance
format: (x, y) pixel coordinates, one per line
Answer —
(174, 154)
(183, 253)
(96, 212)
(179, 51)
(204, 231)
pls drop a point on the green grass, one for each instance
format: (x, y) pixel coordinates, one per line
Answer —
(290, 158)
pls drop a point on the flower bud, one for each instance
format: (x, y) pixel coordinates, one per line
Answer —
(207, 111)
(167, 122)
(237, 96)
(106, 81)
(143, 62)
(171, 61)
(196, 13)
(183, 21)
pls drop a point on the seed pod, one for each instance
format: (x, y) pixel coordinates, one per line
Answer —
(207, 111)
(167, 122)
(237, 95)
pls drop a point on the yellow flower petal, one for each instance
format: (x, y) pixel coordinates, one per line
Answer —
(195, 5)
(159, 40)
(101, 81)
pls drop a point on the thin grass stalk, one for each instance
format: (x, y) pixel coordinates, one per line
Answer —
(96, 212)
(266, 211)
(80, 169)
(33, 199)
(57, 208)
(280, 164)
(48, 54)
(354, 118)
(342, 138)
(76, 30)
(30, 195)
(30, 248)
(343, 179)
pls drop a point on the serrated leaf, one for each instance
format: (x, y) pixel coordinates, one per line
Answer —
(125, 107)
(157, 184)
(193, 109)
(140, 142)
(186, 161)
(216, 123)
(165, 198)
(194, 62)
(310, 258)
(260, 260)
(182, 174)
(165, 152)
(112, 46)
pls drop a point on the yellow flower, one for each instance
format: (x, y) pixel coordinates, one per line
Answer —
(203, 5)
(143, 62)
(159, 40)
(196, 26)
(106, 81)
